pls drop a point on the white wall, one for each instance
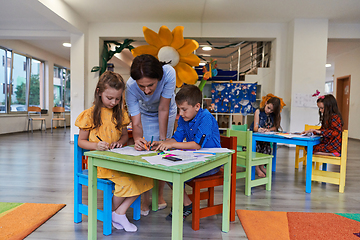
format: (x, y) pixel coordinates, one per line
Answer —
(348, 64)
(309, 48)
(18, 122)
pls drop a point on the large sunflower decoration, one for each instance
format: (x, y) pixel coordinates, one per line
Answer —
(171, 47)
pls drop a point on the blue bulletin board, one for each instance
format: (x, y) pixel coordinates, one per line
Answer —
(234, 97)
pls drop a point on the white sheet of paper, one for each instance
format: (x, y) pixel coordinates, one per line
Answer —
(130, 151)
(159, 160)
(213, 150)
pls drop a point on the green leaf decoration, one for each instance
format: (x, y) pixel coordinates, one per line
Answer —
(95, 69)
(107, 54)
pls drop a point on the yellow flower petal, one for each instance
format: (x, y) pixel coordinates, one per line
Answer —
(152, 37)
(165, 35)
(178, 81)
(188, 47)
(145, 49)
(178, 40)
(190, 59)
(186, 73)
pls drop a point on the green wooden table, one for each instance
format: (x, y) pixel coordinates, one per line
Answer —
(176, 174)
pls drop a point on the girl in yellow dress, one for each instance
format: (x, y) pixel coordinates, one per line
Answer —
(107, 120)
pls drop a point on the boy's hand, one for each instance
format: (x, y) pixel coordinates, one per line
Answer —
(163, 146)
(115, 145)
(141, 144)
(154, 144)
(102, 146)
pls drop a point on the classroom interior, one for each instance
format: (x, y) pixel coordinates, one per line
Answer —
(303, 39)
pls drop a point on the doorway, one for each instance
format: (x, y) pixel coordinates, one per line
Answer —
(343, 98)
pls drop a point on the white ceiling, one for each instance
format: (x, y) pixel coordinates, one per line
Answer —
(29, 21)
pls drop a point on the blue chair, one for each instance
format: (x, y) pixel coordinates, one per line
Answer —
(81, 178)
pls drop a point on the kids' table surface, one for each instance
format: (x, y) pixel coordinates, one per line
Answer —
(290, 139)
(176, 174)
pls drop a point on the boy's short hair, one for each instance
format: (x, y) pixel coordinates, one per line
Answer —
(189, 93)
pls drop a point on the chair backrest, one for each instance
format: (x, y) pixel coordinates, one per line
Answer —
(308, 127)
(78, 155)
(58, 110)
(230, 143)
(32, 109)
(239, 127)
(244, 139)
(344, 144)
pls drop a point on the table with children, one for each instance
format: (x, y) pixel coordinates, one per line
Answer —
(176, 174)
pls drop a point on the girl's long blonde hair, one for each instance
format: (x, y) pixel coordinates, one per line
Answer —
(112, 80)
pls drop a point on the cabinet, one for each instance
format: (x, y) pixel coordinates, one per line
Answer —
(226, 119)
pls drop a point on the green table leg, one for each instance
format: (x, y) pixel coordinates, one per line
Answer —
(155, 195)
(92, 198)
(177, 208)
(226, 197)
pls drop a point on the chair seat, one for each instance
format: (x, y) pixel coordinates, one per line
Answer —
(85, 175)
(219, 174)
(58, 119)
(37, 118)
(255, 155)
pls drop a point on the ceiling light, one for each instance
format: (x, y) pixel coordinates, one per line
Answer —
(202, 64)
(328, 65)
(65, 44)
(206, 48)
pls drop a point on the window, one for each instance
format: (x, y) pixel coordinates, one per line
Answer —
(329, 87)
(22, 82)
(3, 79)
(62, 87)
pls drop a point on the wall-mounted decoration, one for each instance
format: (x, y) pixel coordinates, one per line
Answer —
(234, 97)
(171, 47)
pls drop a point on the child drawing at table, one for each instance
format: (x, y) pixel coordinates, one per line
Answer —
(198, 126)
(266, 119)
(102, 127)
(331, 127)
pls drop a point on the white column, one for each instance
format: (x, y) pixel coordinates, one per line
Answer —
(307, 56)
(77, 62)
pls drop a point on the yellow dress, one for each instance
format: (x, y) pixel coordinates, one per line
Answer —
(126, 185)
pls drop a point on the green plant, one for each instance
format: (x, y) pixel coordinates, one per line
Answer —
(107, 54)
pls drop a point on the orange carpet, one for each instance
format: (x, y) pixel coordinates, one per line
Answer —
(299, 225)
(17, 220)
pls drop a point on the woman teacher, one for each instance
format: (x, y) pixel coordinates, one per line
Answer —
(150, 98)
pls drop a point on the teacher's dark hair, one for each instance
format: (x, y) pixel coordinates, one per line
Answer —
(148, 66)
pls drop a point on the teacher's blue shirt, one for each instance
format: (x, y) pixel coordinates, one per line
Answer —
(137, 102)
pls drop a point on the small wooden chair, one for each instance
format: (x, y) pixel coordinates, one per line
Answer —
(56, 111)
(333, 177)
(81, 178)
(302, 159)
(250, 159)
(210, 182)
(35, 110)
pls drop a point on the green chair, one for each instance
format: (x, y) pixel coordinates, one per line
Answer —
(249, 160)
(239, 127)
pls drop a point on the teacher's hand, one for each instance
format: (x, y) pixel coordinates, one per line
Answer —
(141, 144)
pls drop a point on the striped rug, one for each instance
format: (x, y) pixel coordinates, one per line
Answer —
(299, 225)
(18, 220)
